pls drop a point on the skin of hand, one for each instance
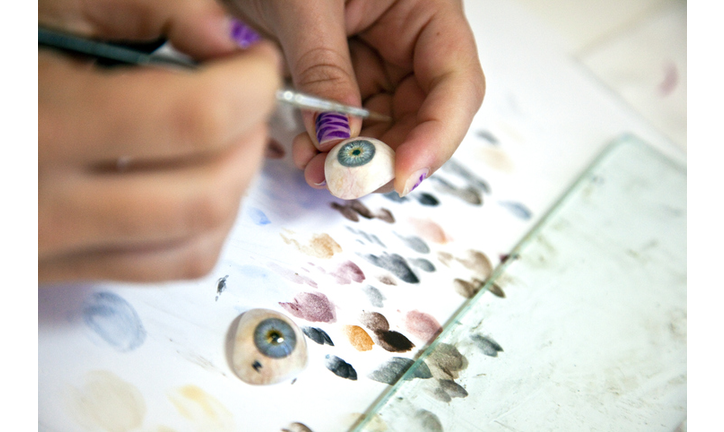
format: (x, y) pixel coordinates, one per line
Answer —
(415, 60)
(141, 170)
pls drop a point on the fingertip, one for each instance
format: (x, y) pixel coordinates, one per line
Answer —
(314, 172)
(303, 150)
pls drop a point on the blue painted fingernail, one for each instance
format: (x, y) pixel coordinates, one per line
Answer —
(243, 35)
(331, 126)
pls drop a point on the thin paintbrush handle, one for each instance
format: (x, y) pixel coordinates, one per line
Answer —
(101, 50)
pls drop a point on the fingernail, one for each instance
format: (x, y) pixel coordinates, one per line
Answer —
(330, 126)
(243, 35)
(322, 183)
(414, 180)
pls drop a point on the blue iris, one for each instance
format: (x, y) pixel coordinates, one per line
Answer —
(275, 338)
(356, 153)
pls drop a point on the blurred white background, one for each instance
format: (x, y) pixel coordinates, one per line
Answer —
(635, 47)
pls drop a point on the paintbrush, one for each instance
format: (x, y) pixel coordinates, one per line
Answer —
(120, 54)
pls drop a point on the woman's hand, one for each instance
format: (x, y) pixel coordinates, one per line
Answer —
(141, 171)
(415, 60)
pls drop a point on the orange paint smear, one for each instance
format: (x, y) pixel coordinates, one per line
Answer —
(430, 230)
(358, 337)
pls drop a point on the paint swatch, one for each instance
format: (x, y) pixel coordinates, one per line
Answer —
(202, 410)
(427, 199)
(422, 325)
(106, 402)
(454, 167)
(258, 217)
(292, 275)
(517, 209)
(221, 286)
(358, 337)
(370, 238)
(447, 389)
(393, 369)
(353, 209)
(375, 296)
(348, 272)
(320, 246)
(446, 361)
(389, 340)
(429, 230)
(422, 264)
(467, 289)
(415, 243)
(496, 290)
(487, 345)
(395, 264)
(114, 320)
(477, 262)
(318, 335)
(468, 194)
(296, 427)
(340, 367)
(314, 307)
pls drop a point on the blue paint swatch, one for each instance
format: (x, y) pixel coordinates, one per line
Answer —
(114, 320)
(258, 217)
(518, 209)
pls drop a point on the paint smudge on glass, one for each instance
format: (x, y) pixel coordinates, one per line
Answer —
(320, 246)
(395, 264)
(314, 307)
(258, 217)
(393, 369)
(358, 337)
(415, 243)
(447, 389)
(446, 361)
(487, 345)
(467, 289)
(106, 402)
(318, 335)
(518, 210)
(496, 290)
(340, 367)
(422, 325)
(114, 319)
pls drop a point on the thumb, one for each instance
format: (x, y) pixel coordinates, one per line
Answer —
(312, 35)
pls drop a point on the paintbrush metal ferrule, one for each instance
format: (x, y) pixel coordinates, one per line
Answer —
(97, 49)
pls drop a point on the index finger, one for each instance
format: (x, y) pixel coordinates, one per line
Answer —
(90, 115)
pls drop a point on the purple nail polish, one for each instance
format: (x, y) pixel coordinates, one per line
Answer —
(422, 177)
(332, 125)
(243, 35)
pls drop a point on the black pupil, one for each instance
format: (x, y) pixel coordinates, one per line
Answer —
(274, 337)
(356, 152)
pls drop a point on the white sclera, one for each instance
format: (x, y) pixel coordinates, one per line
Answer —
(251, 365)
(355, 182)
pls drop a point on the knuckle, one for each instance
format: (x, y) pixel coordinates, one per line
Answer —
(322, 67)
(201, 119)
(200, 262)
